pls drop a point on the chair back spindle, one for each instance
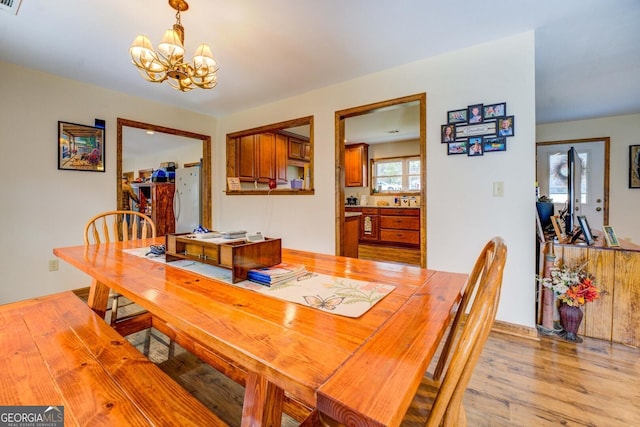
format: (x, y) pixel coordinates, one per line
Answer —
(119, 225)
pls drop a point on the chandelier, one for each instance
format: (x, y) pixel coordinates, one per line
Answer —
(168, 62)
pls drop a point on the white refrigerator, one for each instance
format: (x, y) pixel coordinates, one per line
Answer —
(186, 200)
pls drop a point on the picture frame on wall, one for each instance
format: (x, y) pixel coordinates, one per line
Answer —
(457, 116)
(458, 147)
(634, 166)
(493, 111)
(610, 236)
(80, 147)
(475, 113)
(494, 144)
(448, 133)
(475, 146)
(506, 126)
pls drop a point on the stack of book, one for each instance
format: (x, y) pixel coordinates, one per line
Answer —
(275, 274)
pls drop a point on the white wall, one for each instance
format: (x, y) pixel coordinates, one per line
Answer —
(43, 207)
(462, 213)
(624, 202)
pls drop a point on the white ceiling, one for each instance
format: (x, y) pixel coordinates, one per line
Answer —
(587, 51)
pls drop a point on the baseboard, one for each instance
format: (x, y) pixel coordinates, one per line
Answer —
(515, 330)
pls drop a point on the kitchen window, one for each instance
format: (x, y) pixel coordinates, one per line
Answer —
(395, 175)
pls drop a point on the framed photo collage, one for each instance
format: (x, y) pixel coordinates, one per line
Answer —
(477, 129)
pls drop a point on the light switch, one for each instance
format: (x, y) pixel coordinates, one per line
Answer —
(498, 189)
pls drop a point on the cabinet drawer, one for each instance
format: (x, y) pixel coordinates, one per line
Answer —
(400, 211)
(369, 211)
(400, 222)
(400, 236)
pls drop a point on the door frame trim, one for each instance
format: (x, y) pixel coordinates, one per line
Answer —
(607, 144)
(340, 117)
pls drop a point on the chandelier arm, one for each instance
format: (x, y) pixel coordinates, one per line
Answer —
(154, 77)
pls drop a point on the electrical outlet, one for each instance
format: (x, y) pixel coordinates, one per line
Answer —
(498, 189)
(53, 264)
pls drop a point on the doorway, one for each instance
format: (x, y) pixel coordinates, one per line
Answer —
(552, 176)
(341, 118)
(206, 161)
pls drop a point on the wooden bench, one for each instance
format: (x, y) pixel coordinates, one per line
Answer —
(55, 351)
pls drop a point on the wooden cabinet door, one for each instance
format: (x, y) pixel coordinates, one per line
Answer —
(356, 157)
(295, 148)
(246, 161)
(369, 225)
(281, 159)
(162, 209)
(351, 236)
(266, 145)
(306, 151)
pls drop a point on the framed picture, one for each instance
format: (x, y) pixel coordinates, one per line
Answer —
(634, 166)
(505, 126)
(494, 144)
(80, 147)
(458, 147)
(610, 236)
(494, 110)
(475, 146)
(448, 133)
(475, 113)
(586, 230)
(457, 116)
(558, 226)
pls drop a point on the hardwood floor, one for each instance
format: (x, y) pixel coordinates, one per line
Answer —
(518, 382)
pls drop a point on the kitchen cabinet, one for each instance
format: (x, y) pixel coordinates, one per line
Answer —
(299, 149)
(351, 235)
(262, 157)
(356, 165)
(369, 225)
(391, 226)
(156, 201)
(400, 226)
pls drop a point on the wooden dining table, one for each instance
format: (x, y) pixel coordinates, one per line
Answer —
(352, 371)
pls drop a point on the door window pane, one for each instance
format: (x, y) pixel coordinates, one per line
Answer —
(559, 177)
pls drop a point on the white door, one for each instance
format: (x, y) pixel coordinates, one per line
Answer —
(552, 175)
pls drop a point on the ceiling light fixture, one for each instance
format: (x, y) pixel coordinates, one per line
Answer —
(168, 62)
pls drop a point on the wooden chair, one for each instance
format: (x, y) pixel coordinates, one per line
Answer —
(116, 226)
(480, 269)
(447, 408)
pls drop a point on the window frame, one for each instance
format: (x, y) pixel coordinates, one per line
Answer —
(405, 174)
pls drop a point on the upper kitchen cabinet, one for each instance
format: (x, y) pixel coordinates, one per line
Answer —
(299, 148)
(356, 159)
(280, 154)
(262, 157)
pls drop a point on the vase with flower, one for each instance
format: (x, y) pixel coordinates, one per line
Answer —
(574, 287)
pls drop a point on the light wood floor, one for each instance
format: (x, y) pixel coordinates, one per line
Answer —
(518, 382)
